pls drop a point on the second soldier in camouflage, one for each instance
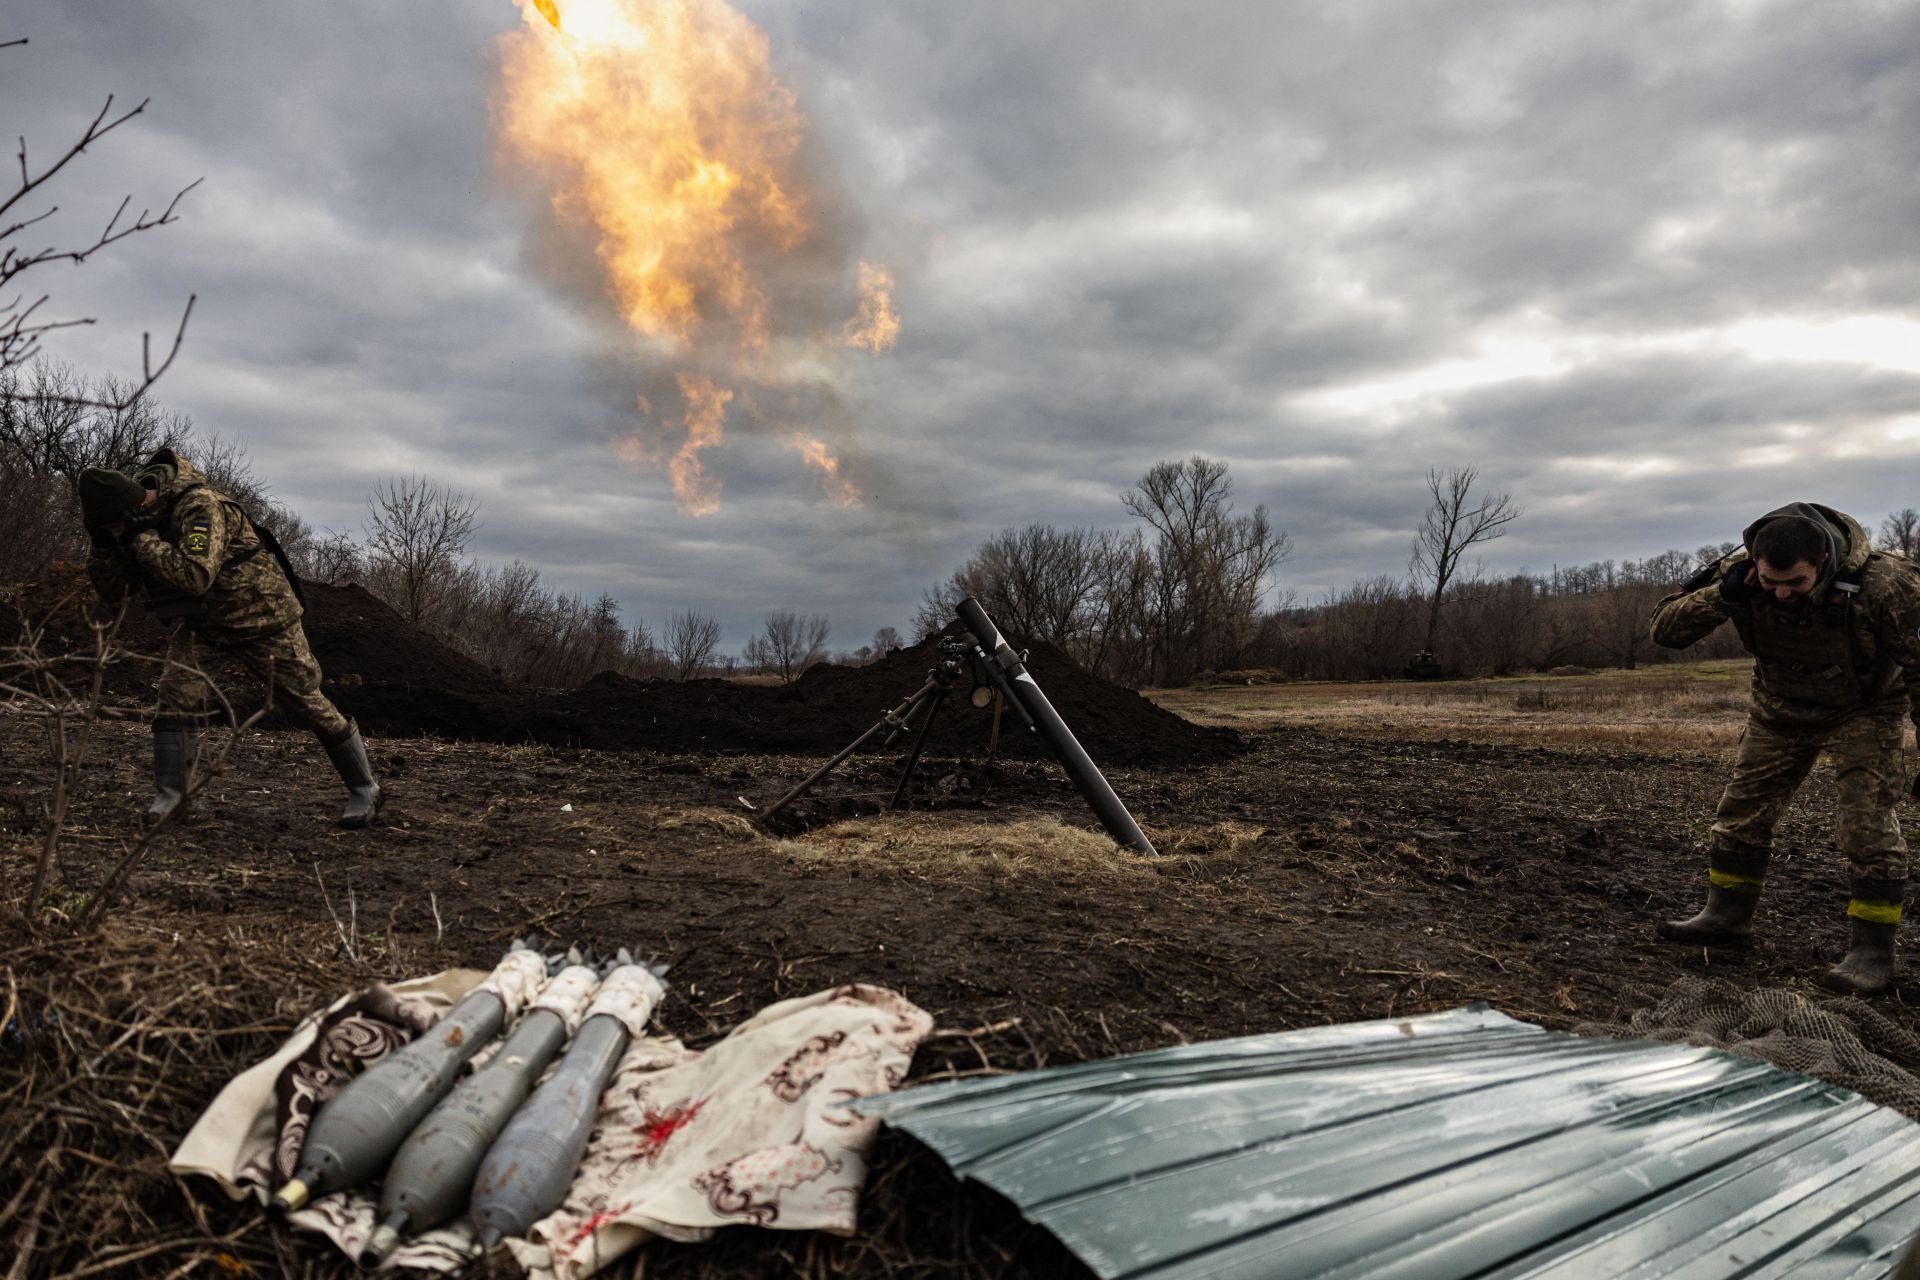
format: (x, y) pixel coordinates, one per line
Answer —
(1834, 628)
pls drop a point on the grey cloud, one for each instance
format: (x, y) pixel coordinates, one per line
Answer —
(1119, 233)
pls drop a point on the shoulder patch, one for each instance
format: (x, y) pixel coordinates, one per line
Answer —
(197, 538)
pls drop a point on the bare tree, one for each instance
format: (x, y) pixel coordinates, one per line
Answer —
(606, 638)
(690, 639)
(1210, 567)
(795, 642)
(50, 418)
(49, 434)
(935, 610)
(416, 531)
(1454, 524)
(885, 641)
(228, 468)
(1900, 532)
(332, 558)
(23, 323)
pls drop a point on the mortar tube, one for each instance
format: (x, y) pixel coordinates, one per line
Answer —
(1086, 775)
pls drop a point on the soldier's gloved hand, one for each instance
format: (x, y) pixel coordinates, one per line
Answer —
(1736, 584)
(140, 520)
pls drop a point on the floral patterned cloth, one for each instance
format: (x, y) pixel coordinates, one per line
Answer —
(236, 1140)
(349, 1038)
(749, 1131)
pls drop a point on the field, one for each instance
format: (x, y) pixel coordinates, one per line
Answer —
(1689, 707)
(1376, 850)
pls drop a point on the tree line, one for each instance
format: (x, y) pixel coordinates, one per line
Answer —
(1187, 595)
(411, 553)
(1188, 589)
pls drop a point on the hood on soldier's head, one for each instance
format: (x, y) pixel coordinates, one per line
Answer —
(169, 474)
(1847, 543)
(107, 495)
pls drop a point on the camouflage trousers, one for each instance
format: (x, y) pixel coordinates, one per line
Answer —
(280, 660)
(1870, 768)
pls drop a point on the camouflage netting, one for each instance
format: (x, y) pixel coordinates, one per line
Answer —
(1844, 1040)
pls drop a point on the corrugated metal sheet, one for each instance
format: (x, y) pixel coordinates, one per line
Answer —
(1446, 1145)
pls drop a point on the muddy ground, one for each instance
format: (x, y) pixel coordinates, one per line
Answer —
(1313, 879)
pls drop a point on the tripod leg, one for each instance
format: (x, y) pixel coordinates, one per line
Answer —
(906, 774)
(894, 719)
(993, 739)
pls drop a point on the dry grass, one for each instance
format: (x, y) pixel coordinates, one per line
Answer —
(951, 846)
(113, 1043)
(1681, 707)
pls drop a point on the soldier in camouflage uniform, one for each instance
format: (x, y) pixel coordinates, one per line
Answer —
(1834, 628)
(198, 562)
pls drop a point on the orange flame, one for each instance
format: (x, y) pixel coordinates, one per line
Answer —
(666, 136)
(697, 492)
(816, 454)
(877, 325)
(664, 127)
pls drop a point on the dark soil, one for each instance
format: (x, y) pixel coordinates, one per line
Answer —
(1309, 880)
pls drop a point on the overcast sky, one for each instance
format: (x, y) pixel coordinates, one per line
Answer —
(1653, 267)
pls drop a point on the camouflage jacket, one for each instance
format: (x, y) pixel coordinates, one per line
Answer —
(1853, 644)
(203, 564)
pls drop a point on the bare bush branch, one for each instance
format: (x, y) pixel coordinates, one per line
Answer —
(1900, 532)
(22, 324)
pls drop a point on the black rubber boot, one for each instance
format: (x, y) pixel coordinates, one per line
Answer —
(1874, 913)
(1726, 921)
(349, 756)
(1867, 969)
(173, 751)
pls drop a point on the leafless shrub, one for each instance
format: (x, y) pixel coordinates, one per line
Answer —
(416, 531)
(66, 693)
(1138, 607)
(51, 431)
(1900, 532)
(793, 642)
(690, 639)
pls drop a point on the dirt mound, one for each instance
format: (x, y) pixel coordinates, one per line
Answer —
(830, 706)
(398, 681)
(359, 640)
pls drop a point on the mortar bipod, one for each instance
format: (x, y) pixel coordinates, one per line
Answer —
(923, 702)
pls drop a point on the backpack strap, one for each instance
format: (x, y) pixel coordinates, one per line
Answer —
(269, 543)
